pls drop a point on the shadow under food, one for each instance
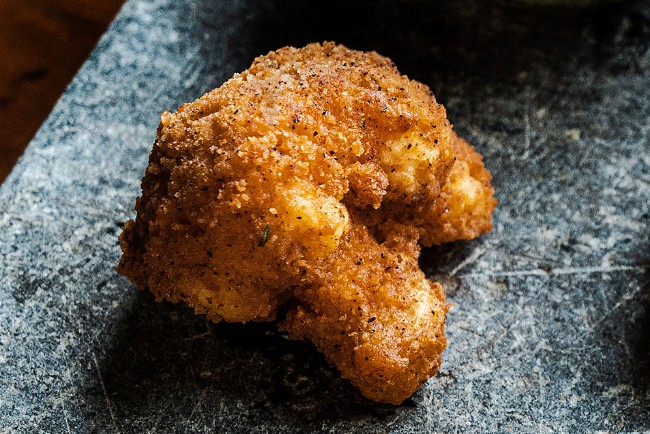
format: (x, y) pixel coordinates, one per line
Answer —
(634, 329)
(640, 343)
(165, 361)
(620, 364)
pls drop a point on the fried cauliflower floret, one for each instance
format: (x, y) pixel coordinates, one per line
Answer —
(305, 183)
(375, 315)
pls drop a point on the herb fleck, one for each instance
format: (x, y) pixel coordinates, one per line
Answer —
(265, 235)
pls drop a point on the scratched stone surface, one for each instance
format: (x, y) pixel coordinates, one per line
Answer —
(550, 329)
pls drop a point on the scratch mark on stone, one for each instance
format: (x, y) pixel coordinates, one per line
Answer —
(154, 428)
(489, 345)
(193, 78)
(65, 417)
(392, 422)
(526, 131)
(541, 382)
(471, 259)
(624, 299)
(469, 330)
(557, 271)
(198, 336)
(428, 403)
(538, 258)
(198, 404)
(101, 382)
(28, 307)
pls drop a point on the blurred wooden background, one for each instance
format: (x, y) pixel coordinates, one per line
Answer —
(42, 44)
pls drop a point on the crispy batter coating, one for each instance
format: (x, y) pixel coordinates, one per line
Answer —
(307, 183)
(464, 208)
(375, 315)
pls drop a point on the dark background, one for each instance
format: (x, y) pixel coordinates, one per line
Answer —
(42, 44)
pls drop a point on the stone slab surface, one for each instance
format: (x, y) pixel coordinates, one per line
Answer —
(550, 329)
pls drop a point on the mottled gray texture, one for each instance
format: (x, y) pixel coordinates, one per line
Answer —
(550, 329)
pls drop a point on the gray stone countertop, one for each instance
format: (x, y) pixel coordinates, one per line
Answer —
(550, 329)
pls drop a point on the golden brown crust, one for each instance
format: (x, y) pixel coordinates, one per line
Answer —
(375, 315)
(464, 209)
(306, 181)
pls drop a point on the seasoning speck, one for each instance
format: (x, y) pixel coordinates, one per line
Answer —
(265, 235)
